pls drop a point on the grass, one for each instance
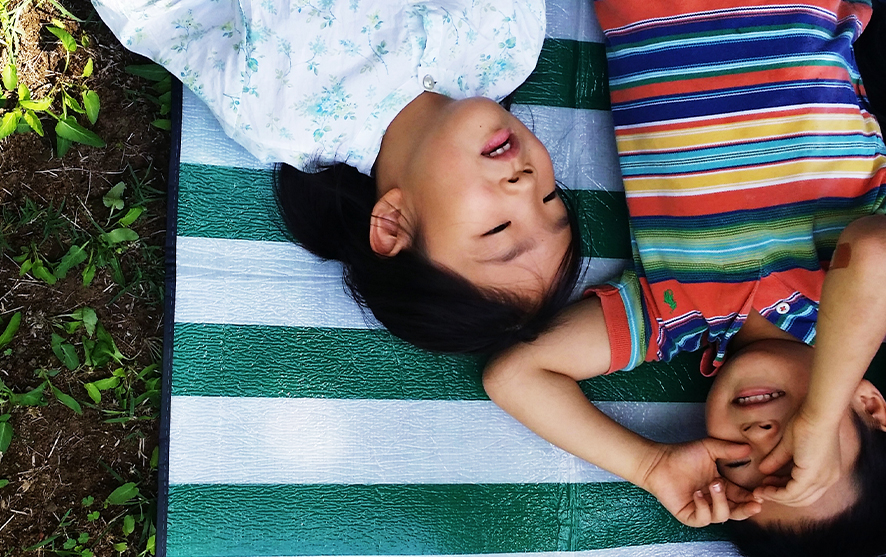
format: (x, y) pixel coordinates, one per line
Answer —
(104, 245)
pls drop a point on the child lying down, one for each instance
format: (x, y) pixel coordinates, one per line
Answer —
(755, 179)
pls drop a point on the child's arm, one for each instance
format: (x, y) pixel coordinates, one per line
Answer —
(537, 384)
(851, 326)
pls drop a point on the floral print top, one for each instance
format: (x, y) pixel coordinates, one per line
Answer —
(299, 80)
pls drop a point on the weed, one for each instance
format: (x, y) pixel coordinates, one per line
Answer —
(22, 114)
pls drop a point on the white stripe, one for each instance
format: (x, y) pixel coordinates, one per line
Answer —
(243, 282)
(219, 440)
(684, 549)
(581, 143)
(573, 19)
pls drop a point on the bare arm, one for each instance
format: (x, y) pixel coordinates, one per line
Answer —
(537, 384)
(851, 326)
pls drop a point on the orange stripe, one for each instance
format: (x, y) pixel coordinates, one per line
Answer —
(728, 81)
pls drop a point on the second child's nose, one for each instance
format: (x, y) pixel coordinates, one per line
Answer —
(755, 431)
(519, 180)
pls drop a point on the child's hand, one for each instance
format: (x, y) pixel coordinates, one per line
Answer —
(815, 450)
(685, 480)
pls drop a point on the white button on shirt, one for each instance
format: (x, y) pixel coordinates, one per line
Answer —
(292, 80)
(783, 308)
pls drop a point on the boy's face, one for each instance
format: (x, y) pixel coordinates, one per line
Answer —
(756, 393)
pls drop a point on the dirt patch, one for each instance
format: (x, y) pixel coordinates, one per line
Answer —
(59, 460)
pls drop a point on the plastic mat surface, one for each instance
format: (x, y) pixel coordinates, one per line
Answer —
(296, 426)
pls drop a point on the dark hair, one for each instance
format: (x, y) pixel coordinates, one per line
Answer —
(859, 531)
(328, 212)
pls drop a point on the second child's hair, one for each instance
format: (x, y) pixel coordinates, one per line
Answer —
(328, 213)
(859, 531)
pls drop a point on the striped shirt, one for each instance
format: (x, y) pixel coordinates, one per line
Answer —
(746, 147)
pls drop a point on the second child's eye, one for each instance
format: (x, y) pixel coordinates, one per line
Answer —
(497, 229)
(738, 464)
(549, 196)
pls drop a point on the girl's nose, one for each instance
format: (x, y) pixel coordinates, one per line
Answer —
(519, 180)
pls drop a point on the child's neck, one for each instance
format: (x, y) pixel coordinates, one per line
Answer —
(756, 327)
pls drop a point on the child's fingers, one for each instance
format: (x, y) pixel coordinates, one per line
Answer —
(702, 515)
(745, 510)
(794, 494)
(738, 494)
(777, 459)
(726, 450)
(719, 503)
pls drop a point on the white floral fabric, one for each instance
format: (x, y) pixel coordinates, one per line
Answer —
(295, 80)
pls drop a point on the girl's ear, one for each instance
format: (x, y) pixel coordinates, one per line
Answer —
(387, 232)
(870, 404)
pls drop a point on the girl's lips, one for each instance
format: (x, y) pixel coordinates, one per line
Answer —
(502, 146)
(497, 140)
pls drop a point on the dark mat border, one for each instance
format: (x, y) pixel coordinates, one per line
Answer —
(168, 317)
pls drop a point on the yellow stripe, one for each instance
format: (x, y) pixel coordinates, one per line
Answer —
(749, 178)
(717, 133)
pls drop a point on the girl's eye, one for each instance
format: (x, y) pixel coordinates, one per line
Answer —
(498, 229)
(549, 196)
(738, 464)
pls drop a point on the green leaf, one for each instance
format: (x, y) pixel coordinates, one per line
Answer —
(88, 68)
(91, 104)
(34, 122)
(34, 397)
(120, 547)
(67, 400)
(23, 93)
(153, 72)
(122, 494)
(10, 77)
(22, 127)
(75, 256)
(9, 123)
(162, 123)
(67, 40)
(26, 266)
(114, 198)
(11, 329)
(87, 501)
(65, 352)
(155, 457)
(128, 524)
(72, 103)
(42, 273)
(151, 545)
(5, 436)
(88, 274)
(38, 105)
(131, 216)
(93, 392)
(62, 145)
(69, 129)
(4, 483)
(106, 383)
(120, 235)
(87, 315)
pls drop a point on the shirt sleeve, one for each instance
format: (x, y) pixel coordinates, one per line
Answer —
(626, 322)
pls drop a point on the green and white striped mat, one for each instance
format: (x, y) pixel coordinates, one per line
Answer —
(294, 425)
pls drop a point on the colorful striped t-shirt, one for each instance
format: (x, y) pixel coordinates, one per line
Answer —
(746, 147)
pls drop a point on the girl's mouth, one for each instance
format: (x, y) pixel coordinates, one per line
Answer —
(758, 397)
(502, 145)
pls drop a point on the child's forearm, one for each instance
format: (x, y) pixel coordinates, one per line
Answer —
(554, 407)
(851, 319)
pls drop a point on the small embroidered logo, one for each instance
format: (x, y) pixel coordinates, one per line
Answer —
(669, 299)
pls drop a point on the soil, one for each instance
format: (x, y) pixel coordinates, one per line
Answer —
(58, 458)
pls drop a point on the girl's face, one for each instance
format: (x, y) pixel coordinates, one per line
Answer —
(757, 392)
(479, 186)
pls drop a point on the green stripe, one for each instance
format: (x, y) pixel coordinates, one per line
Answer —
(569, 74)
(261, 361)
(209, 520)
(666, 40)
(237, 203)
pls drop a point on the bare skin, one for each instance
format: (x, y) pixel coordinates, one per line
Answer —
(480, 188)
(537, 384)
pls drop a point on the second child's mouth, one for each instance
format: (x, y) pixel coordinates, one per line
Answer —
(758, 398)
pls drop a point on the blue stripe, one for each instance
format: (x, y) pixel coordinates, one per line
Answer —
(720, 102)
